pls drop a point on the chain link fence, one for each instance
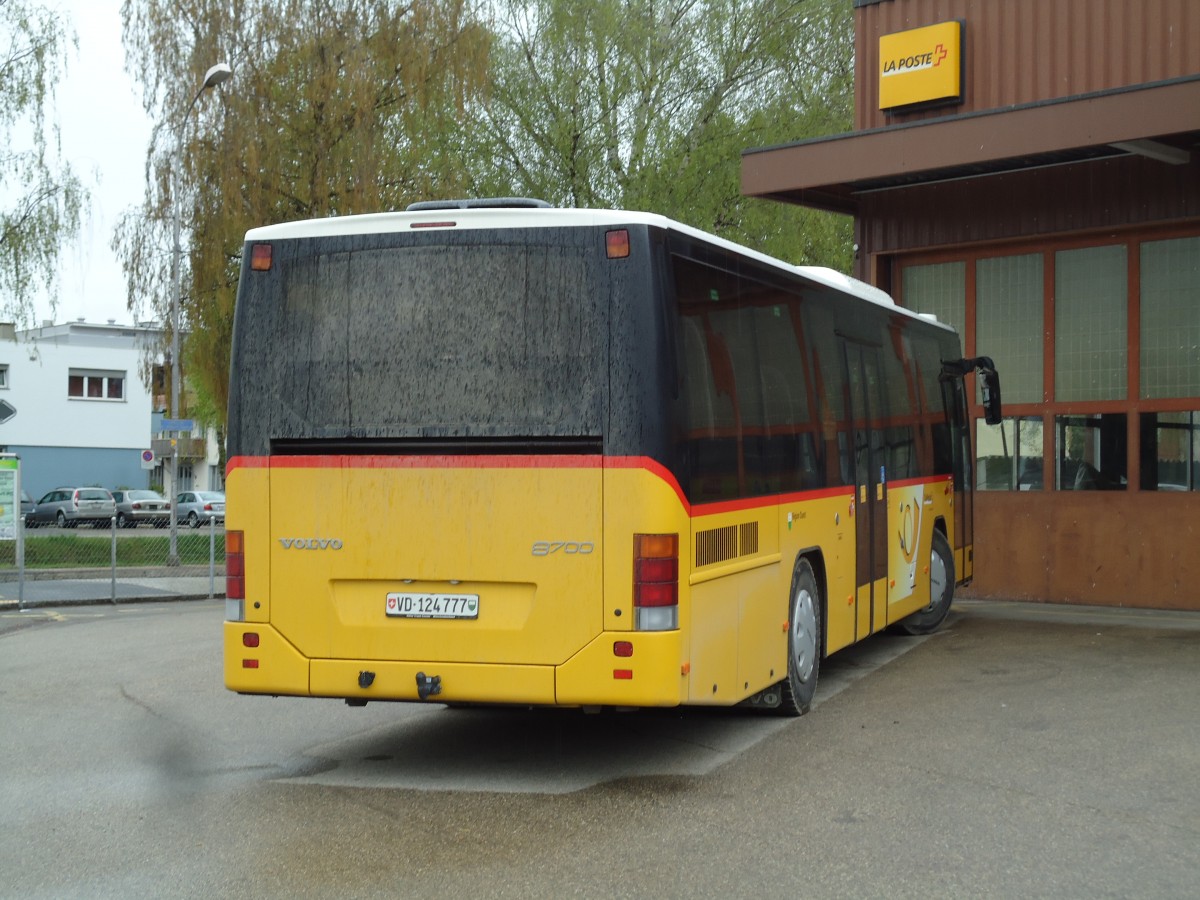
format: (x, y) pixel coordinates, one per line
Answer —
(106, 564)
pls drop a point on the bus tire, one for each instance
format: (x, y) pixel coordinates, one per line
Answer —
(941, 590)
(804, 642)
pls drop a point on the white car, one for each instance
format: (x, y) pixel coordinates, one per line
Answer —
(199, 507)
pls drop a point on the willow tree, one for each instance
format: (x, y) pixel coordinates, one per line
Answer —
(336, 107)
(648, 104)
(43, 198)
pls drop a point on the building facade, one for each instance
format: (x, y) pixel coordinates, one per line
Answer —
(1029, 170)
(85, 416)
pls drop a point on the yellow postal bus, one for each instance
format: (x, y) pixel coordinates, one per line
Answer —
(494, 452)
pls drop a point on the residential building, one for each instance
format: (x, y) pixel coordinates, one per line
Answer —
(85, 415)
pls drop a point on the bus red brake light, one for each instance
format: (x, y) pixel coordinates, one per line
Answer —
(656, 581)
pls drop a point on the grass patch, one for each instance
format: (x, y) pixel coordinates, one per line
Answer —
(69, 551)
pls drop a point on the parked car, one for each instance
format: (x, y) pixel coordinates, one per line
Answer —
(26, 506)
(135, 507)
(66, 507)
(197, 507)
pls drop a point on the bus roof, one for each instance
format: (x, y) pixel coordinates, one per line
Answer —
(501, 218)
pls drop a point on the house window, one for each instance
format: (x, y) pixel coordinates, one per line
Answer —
(95, 384)
(3, 375)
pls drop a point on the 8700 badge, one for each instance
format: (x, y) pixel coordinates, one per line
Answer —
(433, 606)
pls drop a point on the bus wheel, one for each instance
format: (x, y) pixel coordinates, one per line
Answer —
(804, 643)
(941, 590)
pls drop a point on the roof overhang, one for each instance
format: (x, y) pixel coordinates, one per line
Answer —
(1160, 120)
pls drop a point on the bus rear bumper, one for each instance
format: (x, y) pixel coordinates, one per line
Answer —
(258, 660)
(601, 674)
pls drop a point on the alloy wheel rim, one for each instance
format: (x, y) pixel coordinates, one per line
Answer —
(804, 634)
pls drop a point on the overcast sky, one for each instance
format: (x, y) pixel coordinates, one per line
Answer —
(104, 137)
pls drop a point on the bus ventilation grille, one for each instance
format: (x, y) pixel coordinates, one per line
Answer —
(729, 542)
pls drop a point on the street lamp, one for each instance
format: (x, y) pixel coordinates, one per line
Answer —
(214, 76)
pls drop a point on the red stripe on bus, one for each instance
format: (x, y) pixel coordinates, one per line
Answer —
(913, 482)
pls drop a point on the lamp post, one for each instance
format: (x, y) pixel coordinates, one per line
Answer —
(214, 76)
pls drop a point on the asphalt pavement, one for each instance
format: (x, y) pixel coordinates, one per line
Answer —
(1024, 750)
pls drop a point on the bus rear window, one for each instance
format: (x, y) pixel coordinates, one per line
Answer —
(425, 341)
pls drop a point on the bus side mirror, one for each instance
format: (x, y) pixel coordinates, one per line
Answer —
(989, 383)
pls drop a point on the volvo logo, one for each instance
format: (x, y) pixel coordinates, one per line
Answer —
(311, 543)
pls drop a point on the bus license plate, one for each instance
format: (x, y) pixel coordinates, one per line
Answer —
(433, 606)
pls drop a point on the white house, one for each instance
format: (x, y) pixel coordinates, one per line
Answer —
(84, 415)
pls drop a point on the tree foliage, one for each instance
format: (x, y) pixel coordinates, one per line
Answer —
(44, 199)
(648, 104)
(336, 107)
(352, 106)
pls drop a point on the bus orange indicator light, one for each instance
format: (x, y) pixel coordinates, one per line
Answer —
(623, 674)
(260, 257)
(250, 639)
(622, 648)
(685, 669)
(616, 243)
(656, 546)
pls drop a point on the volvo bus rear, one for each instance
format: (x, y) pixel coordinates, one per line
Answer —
(429, 447)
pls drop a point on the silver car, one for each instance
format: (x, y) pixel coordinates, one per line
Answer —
(66, 507)
(198, 507)
(135, 507)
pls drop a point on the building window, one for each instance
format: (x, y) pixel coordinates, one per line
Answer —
(94, 384)
(1170, 443)
(3, 375)
(1092, 454)
(1010, 455)
(1084, 337)
(1170, 318)
(1009, 322)
(1091, 324)
(940, 289)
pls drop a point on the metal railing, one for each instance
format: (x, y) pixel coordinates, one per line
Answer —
(101, 563)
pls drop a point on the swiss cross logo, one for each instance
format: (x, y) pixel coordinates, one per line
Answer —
(939, 53)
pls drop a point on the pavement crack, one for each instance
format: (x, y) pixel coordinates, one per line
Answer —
(141, 704)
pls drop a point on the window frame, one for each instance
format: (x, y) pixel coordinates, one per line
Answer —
(1132, 405)
(103, 379)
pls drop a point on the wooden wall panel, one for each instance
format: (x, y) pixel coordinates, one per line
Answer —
(1093, 547)
(1023, 51)
(1084, 197)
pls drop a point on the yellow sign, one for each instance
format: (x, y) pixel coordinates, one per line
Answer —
(921, 65)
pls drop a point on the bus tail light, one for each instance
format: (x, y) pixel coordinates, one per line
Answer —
(260, 258)
(235, 577)
(656, 581)
(616, 244)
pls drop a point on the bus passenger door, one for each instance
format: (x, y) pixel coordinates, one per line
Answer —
(865, 383)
